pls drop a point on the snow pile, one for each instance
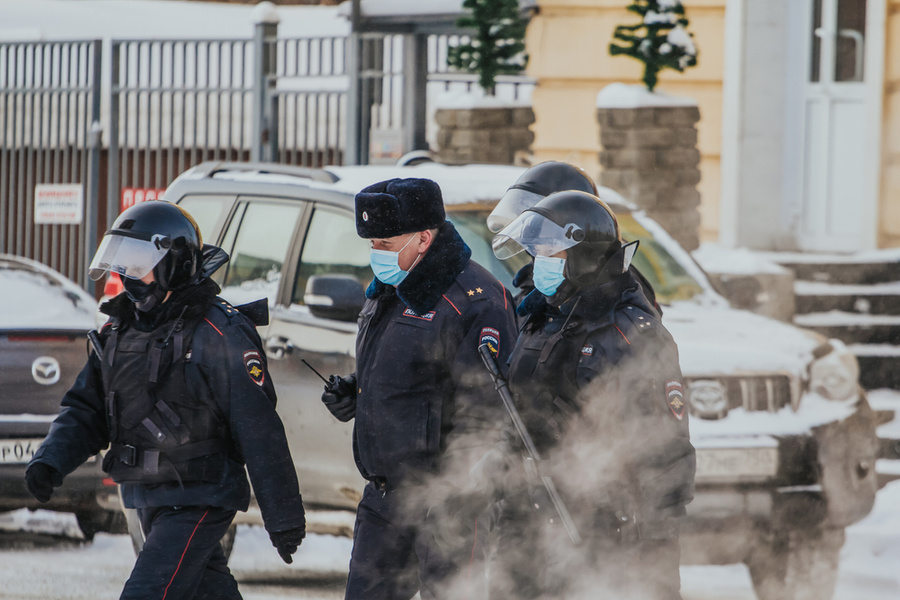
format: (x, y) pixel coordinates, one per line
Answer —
(621, 95)
(715, 258)
(476, 98)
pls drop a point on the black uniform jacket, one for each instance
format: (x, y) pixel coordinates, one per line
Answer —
(424, 397)
(217, 372)
(599, 386)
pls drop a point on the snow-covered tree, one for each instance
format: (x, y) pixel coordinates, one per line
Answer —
(660, 40)
(497, 47)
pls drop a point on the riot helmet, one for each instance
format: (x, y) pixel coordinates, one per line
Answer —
(574, 221)
(533, 186)
(155, 236)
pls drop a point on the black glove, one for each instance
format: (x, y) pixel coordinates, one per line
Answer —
(287, 542)
(340, 397)
(40, 479)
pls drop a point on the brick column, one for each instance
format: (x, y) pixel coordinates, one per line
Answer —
(484, 135)
(649, 155)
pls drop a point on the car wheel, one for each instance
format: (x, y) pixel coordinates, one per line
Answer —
(94, 522)
(137, 533)
(796, 564)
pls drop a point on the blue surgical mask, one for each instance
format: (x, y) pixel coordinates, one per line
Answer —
(386, 266)
(548, 274)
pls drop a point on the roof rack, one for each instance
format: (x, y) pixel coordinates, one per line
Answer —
(212, 168)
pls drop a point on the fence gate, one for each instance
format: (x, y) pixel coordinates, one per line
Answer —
(49, 134)
(174, 104)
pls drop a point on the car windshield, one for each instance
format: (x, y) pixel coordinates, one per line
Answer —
(670, 280)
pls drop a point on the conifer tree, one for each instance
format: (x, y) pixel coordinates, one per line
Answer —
(497, 45)
(660, 40)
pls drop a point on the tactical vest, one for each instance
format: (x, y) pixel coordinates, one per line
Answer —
(159, 431)
(542, 374)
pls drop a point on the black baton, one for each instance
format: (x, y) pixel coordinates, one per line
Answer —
(503, 389)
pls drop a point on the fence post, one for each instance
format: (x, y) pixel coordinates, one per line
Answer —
(353, 146)
(112, 161)
(95, 143)
(415, 82)
(265, 35)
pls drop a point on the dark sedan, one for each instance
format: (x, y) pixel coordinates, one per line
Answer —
(43, 321)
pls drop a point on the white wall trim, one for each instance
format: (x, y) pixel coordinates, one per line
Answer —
(732, 121)
(876, 23)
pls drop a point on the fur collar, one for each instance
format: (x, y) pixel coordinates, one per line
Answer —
(427, 282)
(194, 299)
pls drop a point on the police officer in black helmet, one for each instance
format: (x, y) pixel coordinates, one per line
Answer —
(176, 386)
(596, 378)
(535, 184)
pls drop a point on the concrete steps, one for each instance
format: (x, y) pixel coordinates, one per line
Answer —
(856, 301)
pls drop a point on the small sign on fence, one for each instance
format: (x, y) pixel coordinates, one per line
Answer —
(132, 196)
(58, 204)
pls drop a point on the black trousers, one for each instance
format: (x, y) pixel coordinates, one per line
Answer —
(182, 556)
(394, 554)
(535, 560)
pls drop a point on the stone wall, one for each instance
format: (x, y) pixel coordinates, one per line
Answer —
(484, 135)
(649, 155)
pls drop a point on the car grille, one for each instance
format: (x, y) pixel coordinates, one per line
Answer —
(753, 393)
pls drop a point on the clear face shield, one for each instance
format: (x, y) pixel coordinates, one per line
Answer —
(535, 234)
(129, 255)
(513, 203)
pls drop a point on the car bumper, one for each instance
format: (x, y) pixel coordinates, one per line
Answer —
(821, 475)
(86, 489)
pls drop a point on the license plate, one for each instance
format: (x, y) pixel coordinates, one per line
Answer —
(736, 464)
(18, 451)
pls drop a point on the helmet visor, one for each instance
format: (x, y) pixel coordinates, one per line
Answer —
(535, 234)
(513, 203)
(128, 256)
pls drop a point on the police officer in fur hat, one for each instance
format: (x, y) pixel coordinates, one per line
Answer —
(427, 416)
(178, 390)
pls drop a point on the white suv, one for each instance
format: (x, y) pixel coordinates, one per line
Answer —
(785, 439)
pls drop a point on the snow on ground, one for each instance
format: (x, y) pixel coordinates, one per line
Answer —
(67, 570)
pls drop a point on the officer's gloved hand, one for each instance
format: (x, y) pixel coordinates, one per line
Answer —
(40, 479)
(340, 397)
(287, 542)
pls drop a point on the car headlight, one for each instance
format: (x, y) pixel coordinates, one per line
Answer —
(708, 398)
(834, 374)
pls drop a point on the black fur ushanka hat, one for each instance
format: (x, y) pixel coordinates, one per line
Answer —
(399, 206)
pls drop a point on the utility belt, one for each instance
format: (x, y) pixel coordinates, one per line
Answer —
(197, 462)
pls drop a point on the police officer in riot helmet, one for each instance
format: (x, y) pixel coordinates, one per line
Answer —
(535, 184)
(176, 387)
(595, 375)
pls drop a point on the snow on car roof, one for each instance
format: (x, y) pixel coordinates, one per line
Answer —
(37, 297)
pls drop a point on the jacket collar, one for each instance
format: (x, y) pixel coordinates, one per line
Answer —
(595, 304)
(439, 267)
(194, 300)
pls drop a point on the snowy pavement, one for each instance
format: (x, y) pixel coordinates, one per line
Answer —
(42, 556)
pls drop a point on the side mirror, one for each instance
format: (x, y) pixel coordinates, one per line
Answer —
(338, 297)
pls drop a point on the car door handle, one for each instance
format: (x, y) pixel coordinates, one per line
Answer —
(278, 347)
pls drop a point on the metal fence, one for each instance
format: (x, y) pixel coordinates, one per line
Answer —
(50, 111)
(175, 103)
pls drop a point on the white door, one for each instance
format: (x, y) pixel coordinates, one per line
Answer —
(839, 139)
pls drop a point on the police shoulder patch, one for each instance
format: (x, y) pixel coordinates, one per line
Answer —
(675, 398)
(491, 337)
(254, 364)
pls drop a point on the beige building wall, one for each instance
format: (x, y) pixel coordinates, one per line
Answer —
(889, 208)
(568, 42)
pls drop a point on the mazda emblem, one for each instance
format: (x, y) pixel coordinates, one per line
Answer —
(45, 370)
